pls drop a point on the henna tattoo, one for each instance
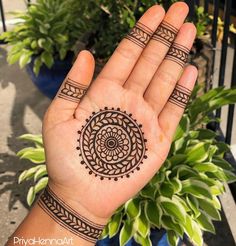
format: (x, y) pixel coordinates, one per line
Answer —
(180, 96)
(72, 91)
(111, 144)
(68, 218)
(140, 34)
(178, 53)
(165, 34)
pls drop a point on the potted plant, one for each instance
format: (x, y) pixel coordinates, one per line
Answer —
(181, 199)
(43, 40)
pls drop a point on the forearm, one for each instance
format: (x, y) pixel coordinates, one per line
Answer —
(53, 218)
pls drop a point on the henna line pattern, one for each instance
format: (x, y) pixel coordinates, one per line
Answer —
(111, 144)
(68, 218)
(72, 91)
(178, 53)
(165, 34)
(140, 34)
(180, 96)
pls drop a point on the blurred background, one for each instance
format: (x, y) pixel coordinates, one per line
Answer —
(38, 44)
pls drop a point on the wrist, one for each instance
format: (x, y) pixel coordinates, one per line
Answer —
(71, 215)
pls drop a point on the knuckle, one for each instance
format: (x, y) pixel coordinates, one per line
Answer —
(166, 77)
(126, 51)
(152, 58)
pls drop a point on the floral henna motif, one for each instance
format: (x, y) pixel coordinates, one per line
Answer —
(72, 91)
(180, 96)
(178, 53)
(165, 34)
(68, 218)
(111, 144)
(140, 35)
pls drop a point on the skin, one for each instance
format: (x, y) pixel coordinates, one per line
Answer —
(137, 80)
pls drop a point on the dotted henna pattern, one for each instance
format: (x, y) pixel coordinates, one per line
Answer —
(111, 144)
(140, 34)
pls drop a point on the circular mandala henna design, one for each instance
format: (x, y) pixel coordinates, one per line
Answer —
(111, 144)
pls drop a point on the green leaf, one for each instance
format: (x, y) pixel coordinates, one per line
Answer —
(158, 178)
(142, 241)
(142, 225)
(198, 153)
(193, 231)
(132, 208)
(153, 213)
(36, 155)
(114, 224)
(172, 238)
(62, 53)
(27, 174)
(203, 134)
(126, 232)
(104, 233)
(41, 184)
(183, 128)
(209, 208)
(37, 65)
(220, 162)
(25, 58)
(177, 159)
(166, 189)
(32, 138)
(196, 188)
(205, 222)
(176, 184)
(224, 175)
(148, 192)
(184, 172)
(30, 196)
(193, 204)
(42, 171)
(173, 208)
(168, 223)
(47, 58)
(13, 58)
(205, 167)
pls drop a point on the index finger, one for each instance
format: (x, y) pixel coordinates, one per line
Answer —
(125, 56)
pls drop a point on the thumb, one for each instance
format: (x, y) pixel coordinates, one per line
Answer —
(72, 89)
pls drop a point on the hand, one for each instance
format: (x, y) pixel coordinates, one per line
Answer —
(102, 148)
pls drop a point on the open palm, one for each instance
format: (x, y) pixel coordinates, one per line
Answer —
(102, 148)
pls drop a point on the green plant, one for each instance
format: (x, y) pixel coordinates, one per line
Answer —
(182, 196)
(47, 30)
(201, 21)
(111, 20)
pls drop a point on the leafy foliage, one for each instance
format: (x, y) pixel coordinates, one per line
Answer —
(182, 196)
(48, 30)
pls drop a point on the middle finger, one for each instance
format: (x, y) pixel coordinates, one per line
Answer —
(157, 48)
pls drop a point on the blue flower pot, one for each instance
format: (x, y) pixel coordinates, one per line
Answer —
(48, 80)
(158, 238)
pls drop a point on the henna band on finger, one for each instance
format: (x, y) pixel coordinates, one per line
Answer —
(111, 144)
(178, 53)
(64, 215)
(165, 34)
(72, 90)
(140, 34)
(180, 96)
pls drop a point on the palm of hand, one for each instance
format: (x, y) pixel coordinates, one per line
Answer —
(66, 170)
(153, 122)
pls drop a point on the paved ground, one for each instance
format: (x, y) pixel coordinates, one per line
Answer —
(22, 107)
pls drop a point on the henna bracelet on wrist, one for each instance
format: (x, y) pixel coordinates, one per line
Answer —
(64, 215)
